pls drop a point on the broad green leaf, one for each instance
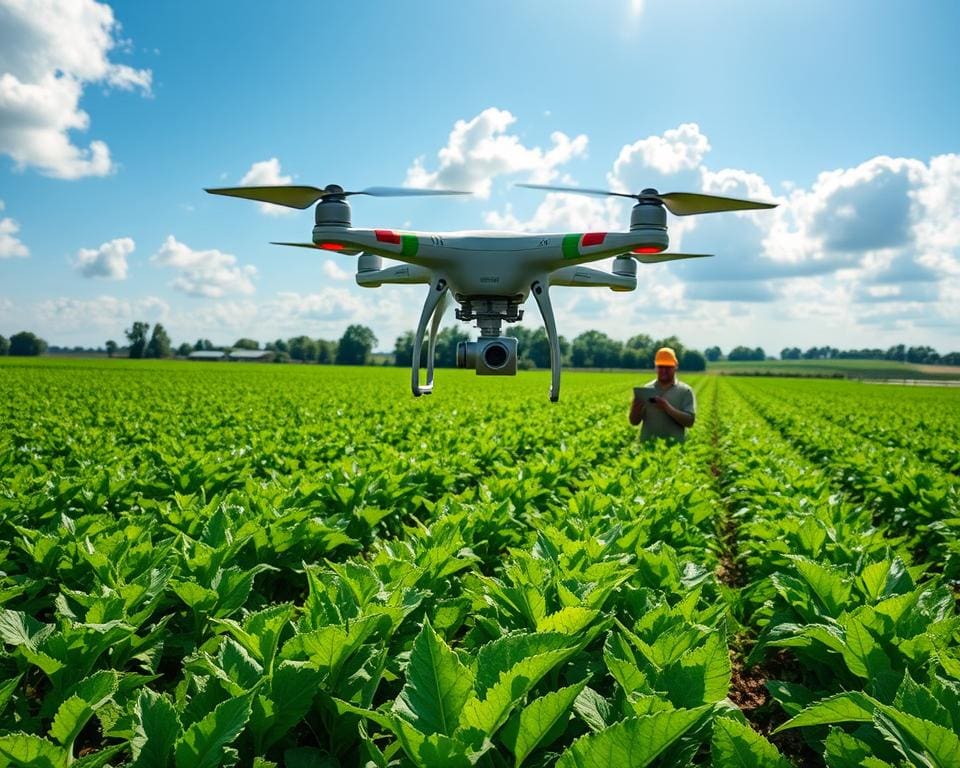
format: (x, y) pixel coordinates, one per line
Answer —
(292, 690)
(202, 743)
(631, 743)
(6, 690)
(841, 708)
(701, 676)
(16, 628)
(918, 700)
(435, 750)
(71, 716)
(829, 584)
(571, 620)
(155, 730)
(874, 579)
(196, 596)
(489, 713)
(737, 745)
(26, 749)
(98, 688)
(529, 730)
(496, 657)
(941, 745)
(842, 750)
(594, 709)
(437, 686)
(622, 664)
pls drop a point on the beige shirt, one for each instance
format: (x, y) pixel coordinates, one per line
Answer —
(657, 422)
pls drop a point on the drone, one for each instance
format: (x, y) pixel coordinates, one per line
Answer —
(491, 274)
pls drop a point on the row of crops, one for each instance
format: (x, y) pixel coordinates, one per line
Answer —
(212, 565)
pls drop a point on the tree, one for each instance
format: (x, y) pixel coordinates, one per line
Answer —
(445, 354)
(632, 358)
(246, 344)
(713, 354)
(692, 360)
(203, 345)
(326, 351)
(790, 353)
(4, 345)
(112, 348)
(355, 346)
(26, 344)
(302, 348)
(159, 344)
(137, 336)
(593, 349)
(540, 348)
(403, 349)
(184, 349)
(740, 353)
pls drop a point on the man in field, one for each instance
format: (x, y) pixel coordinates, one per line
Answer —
(666, 406)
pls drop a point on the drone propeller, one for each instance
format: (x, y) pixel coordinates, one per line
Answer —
(656, 258)
(304, 197)
(678, 203)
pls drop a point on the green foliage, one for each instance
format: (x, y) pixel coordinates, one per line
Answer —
(355, 346)
(25, 344)
(299, 565)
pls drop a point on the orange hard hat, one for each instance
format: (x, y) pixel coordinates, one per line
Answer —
(665, 356)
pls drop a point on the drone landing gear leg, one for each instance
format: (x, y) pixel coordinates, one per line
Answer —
(541, 293)
(432, 307)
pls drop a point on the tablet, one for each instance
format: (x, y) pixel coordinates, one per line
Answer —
(645, 393)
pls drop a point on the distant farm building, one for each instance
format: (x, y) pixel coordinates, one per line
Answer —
(237, 355)
(205, 354)
(251, 355)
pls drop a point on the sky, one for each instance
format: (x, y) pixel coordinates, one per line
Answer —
(114, 117)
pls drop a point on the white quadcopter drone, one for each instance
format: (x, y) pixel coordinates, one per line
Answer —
(491, 274)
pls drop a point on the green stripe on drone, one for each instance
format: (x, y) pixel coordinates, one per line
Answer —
(570, 246)
(409, 245)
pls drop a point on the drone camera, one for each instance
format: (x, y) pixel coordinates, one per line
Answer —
(490, 356)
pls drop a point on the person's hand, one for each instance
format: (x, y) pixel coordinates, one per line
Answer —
(660, 402)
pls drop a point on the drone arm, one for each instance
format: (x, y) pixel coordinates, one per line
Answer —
(541, 293)
(438, 290)
(400, 274)
(587, 277)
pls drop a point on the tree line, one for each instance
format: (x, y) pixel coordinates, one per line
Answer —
(591, 349)
(900, 353)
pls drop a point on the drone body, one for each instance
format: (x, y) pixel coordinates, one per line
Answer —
(490, 274)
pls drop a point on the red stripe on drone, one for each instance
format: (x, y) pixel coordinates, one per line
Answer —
(592, 238)
(648, 249)
(331, 246)
(387, 236)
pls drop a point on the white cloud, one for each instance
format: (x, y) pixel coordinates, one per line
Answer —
(873, 248)
(267, 173)
(209, 273)
(678, 149)
(109, 260)
(480, 149)
(103, 314)
(10, 245)
(49, 51)
(560, 212)
(334, 271)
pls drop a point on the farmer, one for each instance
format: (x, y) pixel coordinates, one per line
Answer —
(673, 408)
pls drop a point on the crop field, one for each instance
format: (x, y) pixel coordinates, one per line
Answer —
(219, 564)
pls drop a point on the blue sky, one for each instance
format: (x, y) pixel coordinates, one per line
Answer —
(114, 117)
